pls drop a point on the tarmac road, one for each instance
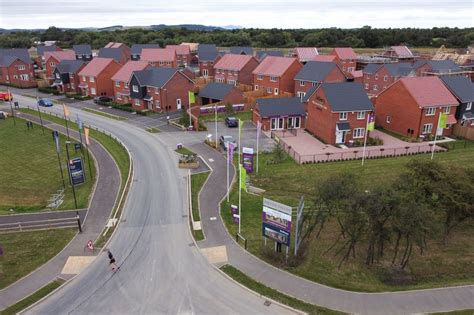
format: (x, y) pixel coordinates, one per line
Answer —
(162, 271)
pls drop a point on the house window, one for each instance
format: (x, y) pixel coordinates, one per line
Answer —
(72, 85)
(93, 91)
(205, 72)
(273, 79)
(269, 90)
(376, 88)
(343, 116)
(137, 102)
(276, 124)
(427, 128)
(118, 96)
(259, 77)
(84, 78)
(350, 69)
(314, 83)
(24, 77)
(302, 83)
(52, 64)
(389, 119)
(344, 68)
(58, 76)
(232, 82)
(376, 77)
(117, 83)
(367, 76)
(276, 91)
(366, 86)
(300, 94)
(256, 87)
(126, 85)
(360, 115)
(157, 104)
(157, 91)
(385, 78)
(135, 88)
(430, 111)
(469, 106)
(91, 79)
(294, 122)
(21, 67)
(359, 133)
(447, 109)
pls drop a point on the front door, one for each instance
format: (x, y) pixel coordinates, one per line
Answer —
(178, 103)
(150, 105)
(205, 72)
(340, 135)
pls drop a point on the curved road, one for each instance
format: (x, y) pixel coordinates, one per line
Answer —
(162, 271)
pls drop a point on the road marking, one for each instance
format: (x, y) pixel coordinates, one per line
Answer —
(211, 160)
(212, 218)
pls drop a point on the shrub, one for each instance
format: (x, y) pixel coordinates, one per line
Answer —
(48, 90)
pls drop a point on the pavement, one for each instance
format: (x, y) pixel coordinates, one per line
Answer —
(41, 220)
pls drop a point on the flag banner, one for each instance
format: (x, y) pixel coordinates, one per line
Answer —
(241, 124)
(56, 141)
(243, 175)
(230, 152)
(86, 133)
(66, 110)
(192, 98)
(79, 122)
(443, 120)
(259, 128)
(371, 122)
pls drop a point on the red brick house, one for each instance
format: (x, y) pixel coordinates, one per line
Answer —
(160, 57)
(183, 54)
(279, 113)
(324, 58)
(346, 58)
(121, 80)
(235, 69)
(337, 112)
(377, 77)
(220, 93)
(411, 106)
(208, 56)
(315, 72)
(52, 58)
(16, 68)
(41, 50)
(275, 75)
(160, 89)
(305, 54)
(66, 75)
(117, 51)
(96, 77)
(438, 68)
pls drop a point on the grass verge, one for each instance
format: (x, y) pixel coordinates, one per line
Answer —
(185, 151)
(197, 181)
(153, 130)
(33, 298)
(273, 294)
(97, 112)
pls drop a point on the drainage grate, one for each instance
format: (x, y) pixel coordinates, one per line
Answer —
(267, 303)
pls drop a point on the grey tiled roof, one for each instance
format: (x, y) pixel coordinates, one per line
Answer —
(315, 71)
(42, 49)
(241, 50)
(207, 52)
(371, 68)
(439, 65)
(263, 53)
(460, 86)
(155, 77)
(275, 107)
(216, 91)
(114, 53)
(346, 97)
(82, 49)
(400, 69)
(69, 66)
(137, 48)
(8, 56)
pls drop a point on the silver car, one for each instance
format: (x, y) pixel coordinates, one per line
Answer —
(225, 140)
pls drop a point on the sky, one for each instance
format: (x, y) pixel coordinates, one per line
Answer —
(245, 13)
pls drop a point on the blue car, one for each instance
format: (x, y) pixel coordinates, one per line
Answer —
(45, 102)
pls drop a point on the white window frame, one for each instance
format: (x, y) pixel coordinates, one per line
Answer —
(350, 69)
(205, 72)
(300, 94)
(375, 87)
(91, 79)
(157, 91)
(360, 115)
(314, 83)
(302, 83)
(178, 103)
(358, 133)
(126, 85)
(376, 77)
(427, 128)
(275, 91)
(269, 90)
(232, 82)
(135, 88)
(385, 78)
(84, 78)
(137, 102)
(468, 106)
(157, 104)
(93, 91)
(430, 111)
(21, 67)
(259, 77)
(256, 87)
(294, 122)
(277, 124)
(388, 120)
(343, 116)
(273, 79)
(447, 109)
(52, 64)
(24, 77)
(366, 86)
(57, 76)
(117, 83)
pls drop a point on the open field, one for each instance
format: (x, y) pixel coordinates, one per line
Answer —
(287, 181)
(30, 172)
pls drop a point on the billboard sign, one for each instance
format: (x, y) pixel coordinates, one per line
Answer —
(276, 221)
(276, 234)
(247, 159)
(234, 210)
(76, 171)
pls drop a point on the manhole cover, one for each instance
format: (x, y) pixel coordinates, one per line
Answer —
(267, 303)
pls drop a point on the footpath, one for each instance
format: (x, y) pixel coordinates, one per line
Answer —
(100, 207)
(419, 301)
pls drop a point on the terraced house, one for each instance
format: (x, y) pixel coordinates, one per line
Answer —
(16, 68)
(160, 57)
(96, 77)
(314, 73)
(160, 89)
(183, 54)
(136, 50)
(208, 56)
(121, 80)
(52, 59)
(83, 52)
(66, 76)
(235, 69)
(377, 77)
(275, 75)
(346, 58)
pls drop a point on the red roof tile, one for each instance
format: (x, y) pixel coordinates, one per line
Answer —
(96, 66)
(124, 74)
(344, 53)
(60, 55)
(402, 51)
(274, 66)
(113, 45)
(306, 53)
(429, 91)
(233, 62)
(324, 58)
(158, 54)
(180, 49)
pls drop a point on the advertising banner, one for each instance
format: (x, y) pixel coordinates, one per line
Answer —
(235, 213)
(210, 109)
(279, 235)
(76, 171)
(247, 159)
(276, 221)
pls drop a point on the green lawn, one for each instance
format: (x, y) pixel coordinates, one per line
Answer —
(222, 116)
(197, 180)
(255, 286)
(184, 151)
(288, 181)
(30, 172)
(35, 297)
(23, 252)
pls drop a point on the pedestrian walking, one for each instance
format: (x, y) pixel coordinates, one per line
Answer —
(112, 261)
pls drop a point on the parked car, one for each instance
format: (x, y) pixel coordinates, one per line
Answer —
(45, 102)
(5, 96)
(102, 99)
(225, 140)
(231, 122)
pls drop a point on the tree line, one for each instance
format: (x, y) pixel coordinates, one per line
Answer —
(265, 38)
(427, 202)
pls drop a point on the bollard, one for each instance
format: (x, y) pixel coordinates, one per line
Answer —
(79, 223)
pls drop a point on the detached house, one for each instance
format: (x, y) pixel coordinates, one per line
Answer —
(411, 106)
(66, 75)
(41, 50)
(402, 53)
(183, 54)
(208, 56)
(136, 50)
(463, 89)
(160, 89)
(83, 52)
(16, 68)
(160, 57)
(305, 54)
(220, 93)
(346, 58)
(275, 75)
(337, 112)
(121, 80)
(52, 58)
(235, 69)
(279, 113)
(315, 72)
(377, 77)
(96, 77)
